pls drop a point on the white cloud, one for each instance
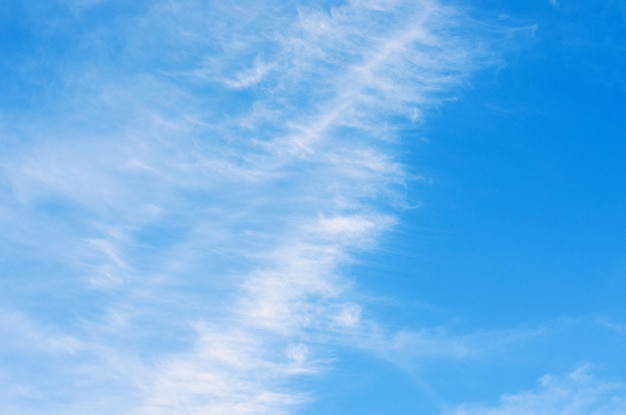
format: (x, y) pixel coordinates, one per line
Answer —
(210, 230)
(578, 393)
(19, 332)
(250, 77)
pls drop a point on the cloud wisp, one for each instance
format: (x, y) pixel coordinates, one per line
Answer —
(577, 393)
(188, 206)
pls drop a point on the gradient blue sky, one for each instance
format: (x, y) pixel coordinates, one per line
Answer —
(325, 207)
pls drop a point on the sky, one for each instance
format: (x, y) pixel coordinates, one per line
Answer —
(312, 207)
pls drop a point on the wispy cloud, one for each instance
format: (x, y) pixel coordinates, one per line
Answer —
(21, 333)
(195, 189)
(577, 393)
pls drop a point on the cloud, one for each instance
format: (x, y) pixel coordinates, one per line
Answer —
(577, 393)
(196, 188)
(249, 77)
(21, 333)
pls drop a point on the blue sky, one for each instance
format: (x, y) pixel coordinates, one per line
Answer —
(330, 207)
